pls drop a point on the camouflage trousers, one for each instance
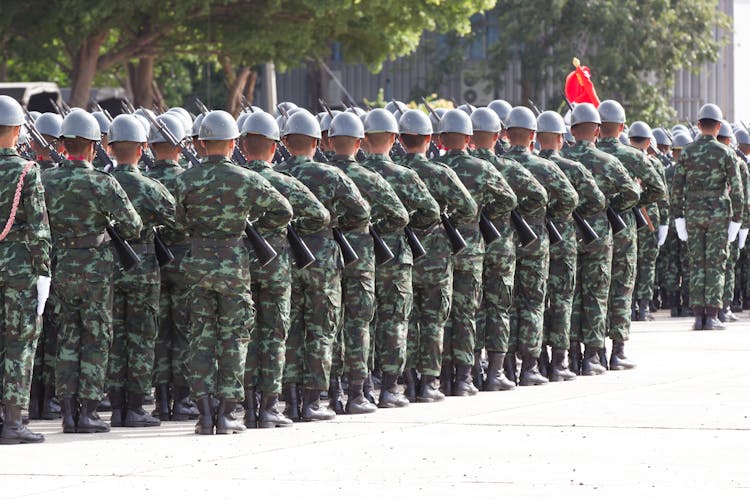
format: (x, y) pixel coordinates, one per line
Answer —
(134, 326)
(19, 331)
(352, 341)
(648, 250)
(493, 317)
(589, 313)
(560, 287)
(46, 347)
(220, 327)
(676, 275)
(460, 330)
(272, 290)
(394, 297)
(622, 283)
(314, 321)
(432, 285)
(529, 290)
(708, 250)
(171, 348)
(85, 337)
(733, 257)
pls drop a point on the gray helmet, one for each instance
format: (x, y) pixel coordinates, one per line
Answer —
(23, 135)
(144, 112)
(241, 119)
(680, 128)
(49, 124)
(80, 123)
(181, 111)
(485, 120)
(357, 111)
(392, 107)
(197, 124)
(35, 115)
(585, 113)
(467, 108)
(501, 107)
(415, 122)
(639, 129)
(102, 120)
(144, 122)
(380, 120)
(303, 123)
(611, 111)
(436, 119)
(346, 124)
(325, 123)
(261, 123)
(218, 125)
(550, 121)
(743, 137)
(725, 130)
(285, 106)
(173, 123)
(710, 112)
(126, 128)
(521, 117)
(185, 119)
(680, 140)
(11, 112)
(624, 139)
(455, 121)
(661, 137)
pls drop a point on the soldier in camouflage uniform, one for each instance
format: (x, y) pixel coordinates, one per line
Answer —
(271, 285)
(214, 201)
(393, 280)
(589, 314)
(564, 256)
(81, 202)
(493, 317)
(532, 262)
(316, 290)
(432, 276)
(707, 200)
(24, 273)
(743, 272)
(136, 290)
(490, 192)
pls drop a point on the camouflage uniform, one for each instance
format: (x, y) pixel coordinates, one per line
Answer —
(136, 291)
(24, 255)
(432, 276)
(272, 283)
(563, 257)
(589, 315)
(316, 290)
(213, 202)
(675, 277)
(734, 247)
(80, 202)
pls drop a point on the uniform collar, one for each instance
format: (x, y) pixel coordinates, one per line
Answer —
(258, 165)
(8, 152)
(379, 156)
(166, 163)
(127, 167)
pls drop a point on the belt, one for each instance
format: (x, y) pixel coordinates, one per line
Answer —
(83, 241)
(705, 193)
(215, 242)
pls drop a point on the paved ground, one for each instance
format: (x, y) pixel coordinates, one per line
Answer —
(676, 427)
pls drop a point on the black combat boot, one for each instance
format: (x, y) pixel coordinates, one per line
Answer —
(161, 404)
(530, 369)
(575, 357)
(251, 409)
(496, 379)
(558, 370)
(268, 416)
(136, 416)
(390, 394)
(478, 372)
(69, 407)
(712, 321)
(291, 401)
(334, 396)
(104, 404)
(446, 378)
(410, 384)
(590, 364)
(643, 311)
(35, 400)
(510, 366)
(686, 311)
(205, 423)
(368, 388)
(226, 421)
(311, 409)
(543, 362)
(728, 314)
(698, 312)
(117, 402)
(428, 390)
(356, 403)
(675, 309)
(14, 432)
(50, 408)
(89, 420)
(721, 314)
(603, 356)
(463, 385)
(619, 361)
(183, 408)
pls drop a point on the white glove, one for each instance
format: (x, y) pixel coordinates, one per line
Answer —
(734, 228)
(663, 230)
(743, 237)
(42, 293)
(679, 225)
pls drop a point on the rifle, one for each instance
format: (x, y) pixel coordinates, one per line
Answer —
(417, 250)
(458, 244)
(303, 257)
(526, 235)
(163, 254)
(37, 137)
(487, 228)
(158, 123)
(127, 106)
(325, 107)
(554, 235)
(201, 107)
(642, 219)
(263, 250)
(383, 253)
(128, 257)
(615, 221)
(587, 232)
(246, 105)
(103, 156)
(534, 107)
(347, 252)
(57, 108)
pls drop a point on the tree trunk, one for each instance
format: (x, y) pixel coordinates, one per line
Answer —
(250, 86)
(84, 70)
(236, 89)
(141, 81)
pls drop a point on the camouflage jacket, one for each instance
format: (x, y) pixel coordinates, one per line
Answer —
(166, 172)
(639, 167)
(81, 201)
(25, 251)
(590, 198)
(707, 184)
(745, 176)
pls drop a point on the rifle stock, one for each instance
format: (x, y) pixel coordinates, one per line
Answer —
(587, 232)
(263, 250)
(347, 252)
(163, 254)
(301, 253)
(383, 253)
(458, 244)
(526, 235)
(417, 250)
(128, 258)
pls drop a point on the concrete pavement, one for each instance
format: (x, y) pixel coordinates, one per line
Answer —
(676, 427)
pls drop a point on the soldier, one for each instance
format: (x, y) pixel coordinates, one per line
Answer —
(493, 317)
(707, 202)
(271, 285)
(564, 256)
(316, 290)
(589, 314)
(532, 261)
(81, 202)
(25, 273)
(663, 154)
(501, 107)
(136, 290)
(393, 280)
(489, 189)
(101, 119)
(213, 205)
(743, 278)
(432, 276)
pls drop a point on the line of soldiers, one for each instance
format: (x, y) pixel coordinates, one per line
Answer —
(298, 255)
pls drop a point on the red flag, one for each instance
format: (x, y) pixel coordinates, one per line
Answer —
(579, 87)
